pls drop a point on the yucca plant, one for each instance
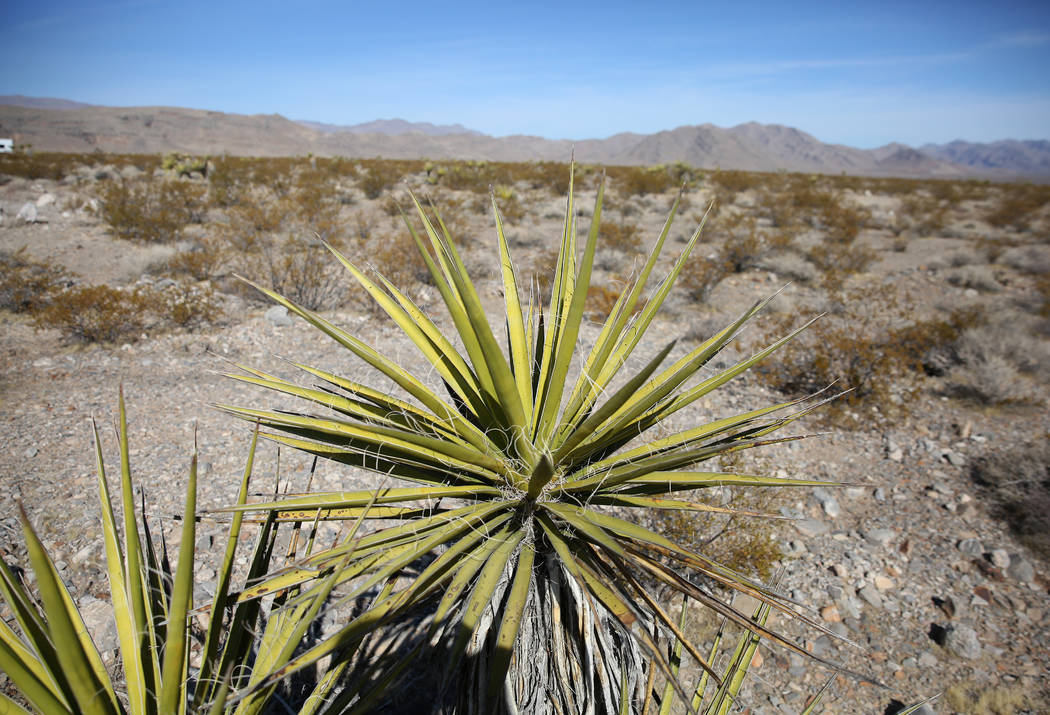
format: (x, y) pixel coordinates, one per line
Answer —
(57, 668)
(513, 525)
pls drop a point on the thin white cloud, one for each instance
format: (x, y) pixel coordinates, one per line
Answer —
(1024, 38)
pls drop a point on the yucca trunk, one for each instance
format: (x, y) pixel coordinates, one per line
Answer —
(570, 657)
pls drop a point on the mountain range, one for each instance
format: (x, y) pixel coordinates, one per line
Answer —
(63, 125)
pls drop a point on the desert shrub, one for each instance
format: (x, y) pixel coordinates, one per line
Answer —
(396, 258)
(28, 285)
(640, 180)
(1031, 259)
(1018, 206)
(255, 220)
(873, 346)
(990, 361)
(378, 176)
(100, 313)
(1016, 482)
(735, 181)
(837, 262)
(510, 206)
(203, 261)
(980, 278)
(746, 244)
(552, 176)
(184, 164)
(151, 211)
(702, 274)
(300, 269)
(40, 165)
(745, 544)
(921, 215)
(620, 236)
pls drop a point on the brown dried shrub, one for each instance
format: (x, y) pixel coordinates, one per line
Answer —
(151, 211)
(26, 284)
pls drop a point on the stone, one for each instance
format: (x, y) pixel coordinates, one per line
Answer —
(884, 583)
(871, 596)
(811, 527)
(971, 547)
(98, 618)
(45, 200)
(879, 536)
(30, 453)
(879, 494)
(1000, 558)
(831, 507)
(896, 455)
(831, 614)
(1020, 570)
(27, 214)
(927, 660)
(278, 316)
(961, 640)
(955, 459)
(840, 570)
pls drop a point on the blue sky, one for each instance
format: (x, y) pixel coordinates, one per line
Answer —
(862, 74)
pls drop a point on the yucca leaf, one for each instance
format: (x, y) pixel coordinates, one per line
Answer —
(76, 654)
(207, 680)
(513, 608)
(517, 337)
(130, 633)
(29, 675)
(610, 407)
(568, 323)
(173, 670)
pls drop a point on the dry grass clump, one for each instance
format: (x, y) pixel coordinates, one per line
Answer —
(979, 277)
(970, 699)
(620, 236)
(1016, 482)
(28, 285)
(151, 211)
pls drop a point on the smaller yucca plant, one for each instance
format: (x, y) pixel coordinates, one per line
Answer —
(512, 528)
(57, 668)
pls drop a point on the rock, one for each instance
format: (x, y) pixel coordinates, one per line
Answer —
(84, 555)
(879, 536)
(999, 558)
(871, 596)
(278, 316)
(879, 494)
(827, 501)
(98, 617)
(896, 455)
(840, 570)
(884, 583)
(831, 614)
(45, 200)
(811, 527)
(961, 640)
(971, 547)
(954, 458)
(927, 660)
(168, 282)
(1021, 570)
(30, 453)
(27, 214)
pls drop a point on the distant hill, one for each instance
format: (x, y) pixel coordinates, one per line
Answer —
(1031, 157)
(390, 126)
(20, 100)
(58, 125)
